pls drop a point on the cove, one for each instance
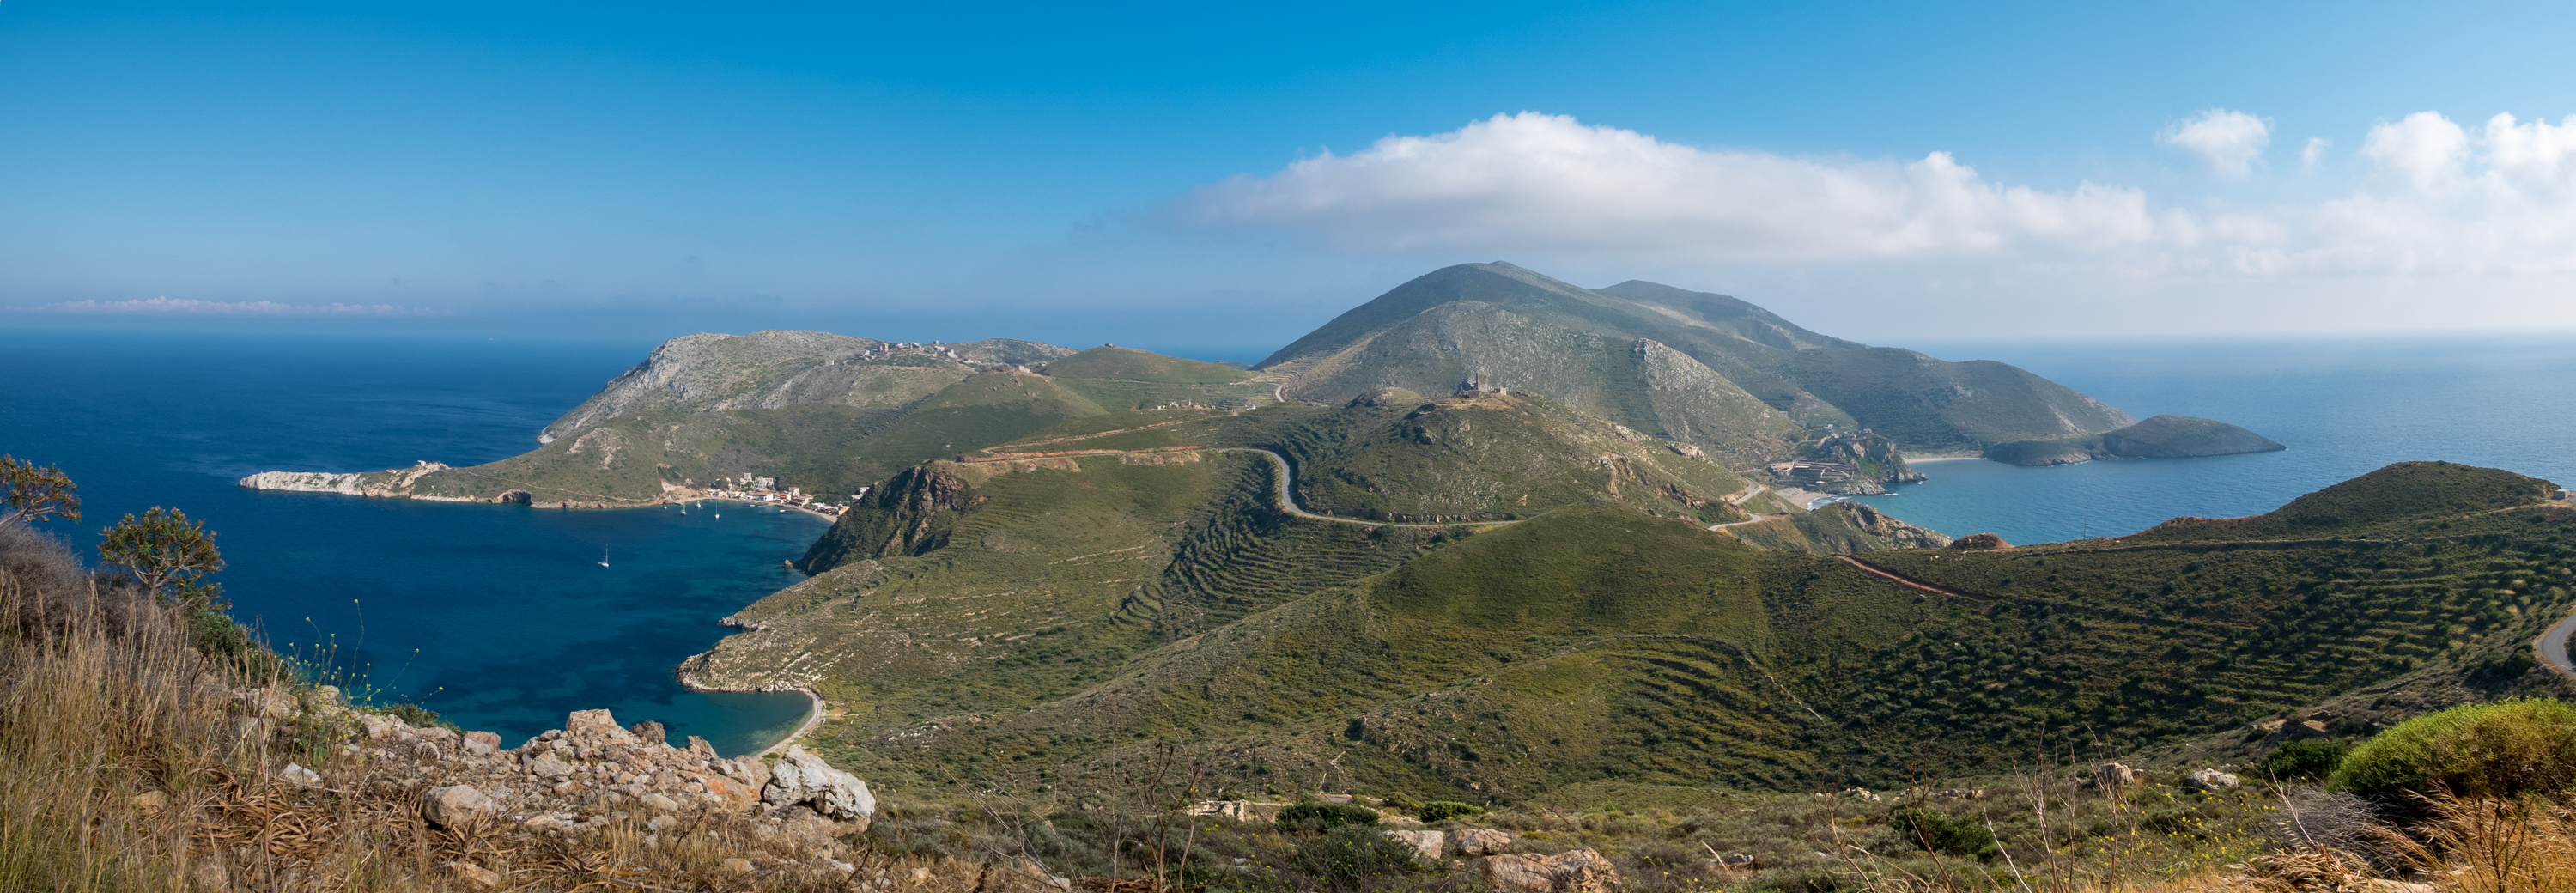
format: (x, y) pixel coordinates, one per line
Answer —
(498, 617)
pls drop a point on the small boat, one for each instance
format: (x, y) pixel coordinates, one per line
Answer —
(603, 556)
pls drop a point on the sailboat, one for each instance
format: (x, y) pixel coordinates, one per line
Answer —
(603, 556)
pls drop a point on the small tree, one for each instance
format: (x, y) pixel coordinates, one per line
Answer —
(166, 553)
(35, 494)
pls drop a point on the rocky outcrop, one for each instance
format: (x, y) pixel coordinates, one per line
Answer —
(1875, 460)
(1575, 871)
(1896, 534)
(2211, 781)
(909, 515)
(1473, 842)
(1979, 542)
(803, 779)
(571, 781)
(1427, 846)
(389, 483)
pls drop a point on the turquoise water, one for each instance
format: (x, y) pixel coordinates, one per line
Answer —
(499, 617)
(2343, 408)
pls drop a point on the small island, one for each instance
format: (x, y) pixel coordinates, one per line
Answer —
(2161, 437)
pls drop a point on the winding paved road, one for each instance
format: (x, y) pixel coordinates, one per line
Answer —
(1289, 504)
(2552, 646)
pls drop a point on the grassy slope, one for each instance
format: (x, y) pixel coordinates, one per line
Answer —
(825, 448)
(1597, 644)
(1407, 459)
(832, 425)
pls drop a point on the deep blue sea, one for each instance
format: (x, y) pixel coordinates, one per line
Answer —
(2342, 407)
(499, 617)
(502, 619)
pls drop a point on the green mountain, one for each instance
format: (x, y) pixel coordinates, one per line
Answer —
(1702, 368)
(2160, 437)
(826, 413)
(1039, 614)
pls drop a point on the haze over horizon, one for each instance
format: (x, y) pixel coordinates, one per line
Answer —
(1176, 175)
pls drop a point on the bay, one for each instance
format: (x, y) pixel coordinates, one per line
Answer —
(2343, 407)
(498, 617)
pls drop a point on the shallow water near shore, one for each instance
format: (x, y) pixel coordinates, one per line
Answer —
(498, 617)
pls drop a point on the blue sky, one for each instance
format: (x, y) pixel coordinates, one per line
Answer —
(1187, 175)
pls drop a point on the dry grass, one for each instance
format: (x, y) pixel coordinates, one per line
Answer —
(124, 772)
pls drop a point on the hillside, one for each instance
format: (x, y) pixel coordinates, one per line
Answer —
(1042, 624)
(2159, 437)
(826, 413)
(1617, 351)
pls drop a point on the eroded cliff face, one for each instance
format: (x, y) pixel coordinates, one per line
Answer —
(909, 515)
(389, 483)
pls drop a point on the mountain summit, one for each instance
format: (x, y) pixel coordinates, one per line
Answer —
(1689, 366)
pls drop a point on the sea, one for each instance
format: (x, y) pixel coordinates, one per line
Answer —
(2343, 407)
(503, 618)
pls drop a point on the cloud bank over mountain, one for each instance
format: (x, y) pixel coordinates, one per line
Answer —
(2437, 200)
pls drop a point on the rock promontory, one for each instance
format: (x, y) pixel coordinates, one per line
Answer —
(2160, 437)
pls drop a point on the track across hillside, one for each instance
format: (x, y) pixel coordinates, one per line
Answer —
(1914, 584)
(1288, 501)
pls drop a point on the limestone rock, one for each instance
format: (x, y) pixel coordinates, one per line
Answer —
(1481, 841)
(1427, 845)
(299, 775)
(475, 876)
(2114, 775)
(1576, 871)
(2211, 780)
(802, 777)
(546, 766)
(482, 742)
(595, 725)
(651, 732)
(659, 803)
(452, 805)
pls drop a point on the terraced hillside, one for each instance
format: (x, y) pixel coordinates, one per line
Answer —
(1596, 644)
(1394, 455)
(827, 413)
(1702, 368)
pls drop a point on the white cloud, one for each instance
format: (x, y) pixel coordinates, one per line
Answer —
(2315, 151)
(2425, 148)
(2231, 141)
(1549, 182)
(164, 306)
(2443, 213)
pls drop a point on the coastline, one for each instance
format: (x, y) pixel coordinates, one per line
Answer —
(356, 484)
(816, 709)
(1941, 457)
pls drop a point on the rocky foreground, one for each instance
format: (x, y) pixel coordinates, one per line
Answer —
(589, 778)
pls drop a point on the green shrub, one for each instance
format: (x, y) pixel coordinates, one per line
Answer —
(2307, 760)
(1942, 832)
(2502, 749)
(1441, 810)
(1316, 817)
(1351, 855)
